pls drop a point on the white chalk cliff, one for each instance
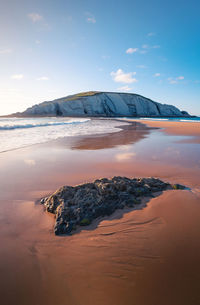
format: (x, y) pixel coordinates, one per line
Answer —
(104, 104)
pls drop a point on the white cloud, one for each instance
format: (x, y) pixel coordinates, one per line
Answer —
(5, 50)
(131, 50)
(43, 78)
(156, 75)
(120, 77)
(17, 76)
(144, 49)
(124, 88)
(175, 80)
(91, 20)
(35, 17)
(151, 34)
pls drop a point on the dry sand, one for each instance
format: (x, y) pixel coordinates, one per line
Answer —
(148, 256)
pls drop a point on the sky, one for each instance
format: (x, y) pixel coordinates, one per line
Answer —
(50, 49)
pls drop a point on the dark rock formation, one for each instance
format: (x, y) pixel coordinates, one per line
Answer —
(80, 205)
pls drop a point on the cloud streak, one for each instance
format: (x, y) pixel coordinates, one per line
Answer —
(43, 78)
(17, 76)
(34, 17)
(147, 47)
(131, 50)
(175, 80)
(5, 50)
(143, 50)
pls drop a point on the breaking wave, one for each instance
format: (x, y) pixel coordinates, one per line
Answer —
(32, 125)
(16, 133)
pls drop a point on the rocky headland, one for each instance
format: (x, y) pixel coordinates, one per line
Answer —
(81, 204)
(103, 104)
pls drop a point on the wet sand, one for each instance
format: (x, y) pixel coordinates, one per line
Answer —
(149, 256)
(191, 129)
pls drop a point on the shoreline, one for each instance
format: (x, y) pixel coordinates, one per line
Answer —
(188, 129)
(174, 128)
(114, 137)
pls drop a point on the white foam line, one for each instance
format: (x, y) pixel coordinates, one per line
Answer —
(11, 127)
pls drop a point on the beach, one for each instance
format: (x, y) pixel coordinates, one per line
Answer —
(183, 128)
(145, 256)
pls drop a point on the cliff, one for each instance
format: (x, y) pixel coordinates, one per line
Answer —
(104, 104)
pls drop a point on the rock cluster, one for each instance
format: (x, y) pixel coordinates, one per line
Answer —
(80, 205)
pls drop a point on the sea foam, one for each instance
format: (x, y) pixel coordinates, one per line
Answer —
(16, 133)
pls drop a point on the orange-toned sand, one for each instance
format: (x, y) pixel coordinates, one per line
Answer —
(176, 128)
(148, 256)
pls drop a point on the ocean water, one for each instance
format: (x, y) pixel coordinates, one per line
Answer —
(22, 132)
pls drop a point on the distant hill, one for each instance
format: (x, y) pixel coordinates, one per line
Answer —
(103, 104)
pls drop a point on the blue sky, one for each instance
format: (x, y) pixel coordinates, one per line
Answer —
(49, 49)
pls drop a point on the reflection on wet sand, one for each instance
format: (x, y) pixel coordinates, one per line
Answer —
(148, 256)
(128, 135)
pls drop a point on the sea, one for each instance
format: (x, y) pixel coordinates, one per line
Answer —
(17, 133)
